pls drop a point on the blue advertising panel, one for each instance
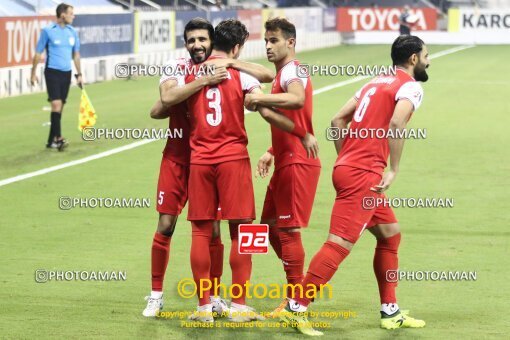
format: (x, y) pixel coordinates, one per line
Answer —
(181, 19)
(329, 19)
(104, 34)
(216, 17)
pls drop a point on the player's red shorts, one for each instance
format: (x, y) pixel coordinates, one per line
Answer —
(355, 204)
(290, 195)
(227, 184)
(172, 191)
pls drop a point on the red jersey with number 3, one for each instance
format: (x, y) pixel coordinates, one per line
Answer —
(217, 119)
(287, 148)
(177, 149)
(376, 104)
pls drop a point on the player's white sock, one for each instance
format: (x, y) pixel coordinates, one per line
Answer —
(205, 308)
(237, 306)
(156, 295)
(296, 307)
(389, 308)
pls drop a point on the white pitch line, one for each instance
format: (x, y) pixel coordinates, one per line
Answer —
(450, 51)
(143, 142)
(76, 162)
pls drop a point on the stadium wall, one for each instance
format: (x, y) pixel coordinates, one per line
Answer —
(151, 38)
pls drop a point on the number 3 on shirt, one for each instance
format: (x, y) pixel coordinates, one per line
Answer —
(214, 96)
(362, 108)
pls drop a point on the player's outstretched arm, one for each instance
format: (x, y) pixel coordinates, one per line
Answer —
(401, 115)
(261, 73)
(171, 94)
(342, 119)
(293, 99)
(158, 111)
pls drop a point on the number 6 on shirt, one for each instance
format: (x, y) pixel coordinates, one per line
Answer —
(362, 108)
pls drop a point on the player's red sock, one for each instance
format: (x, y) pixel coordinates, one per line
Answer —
(216, 253)
(201, 236)
(386, 259)
(274, 239)
(293, 258)
(322, 268)
(240, 265)
(159, 260)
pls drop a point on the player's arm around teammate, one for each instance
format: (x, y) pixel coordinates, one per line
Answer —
(261, 73)
(198, 42)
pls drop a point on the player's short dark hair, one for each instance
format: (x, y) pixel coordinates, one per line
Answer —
(288, 29)
(199, 24)
(405, 46)
(62, 8)
(228, 34)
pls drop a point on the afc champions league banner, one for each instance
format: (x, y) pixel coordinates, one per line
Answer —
(154, 31)
(104, 34)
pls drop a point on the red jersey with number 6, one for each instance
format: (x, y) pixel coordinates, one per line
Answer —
(287, 148)
(376, 104)
(217, 118)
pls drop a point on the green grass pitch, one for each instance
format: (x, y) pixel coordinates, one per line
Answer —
(465, 156)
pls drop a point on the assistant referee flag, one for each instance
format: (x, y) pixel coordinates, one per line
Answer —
(87, 116)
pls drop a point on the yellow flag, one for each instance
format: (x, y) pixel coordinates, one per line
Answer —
(87, 115)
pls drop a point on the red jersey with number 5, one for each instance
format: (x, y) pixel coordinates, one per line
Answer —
(287, 148)
(217, 119)
(376, 104)
(177, 149)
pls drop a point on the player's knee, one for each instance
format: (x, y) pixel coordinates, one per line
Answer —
(384, 231)
(340, 241)
(166, 224)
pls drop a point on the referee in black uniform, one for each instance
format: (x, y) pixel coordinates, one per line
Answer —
(61, 43)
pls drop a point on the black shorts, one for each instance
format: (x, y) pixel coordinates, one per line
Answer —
(57, 84)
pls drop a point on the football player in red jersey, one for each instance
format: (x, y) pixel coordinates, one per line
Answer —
(291, 191)
(387, 102)
(220, 172)
(172, 192)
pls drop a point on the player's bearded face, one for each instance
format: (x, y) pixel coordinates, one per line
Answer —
(199, 45)
(420, 70)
